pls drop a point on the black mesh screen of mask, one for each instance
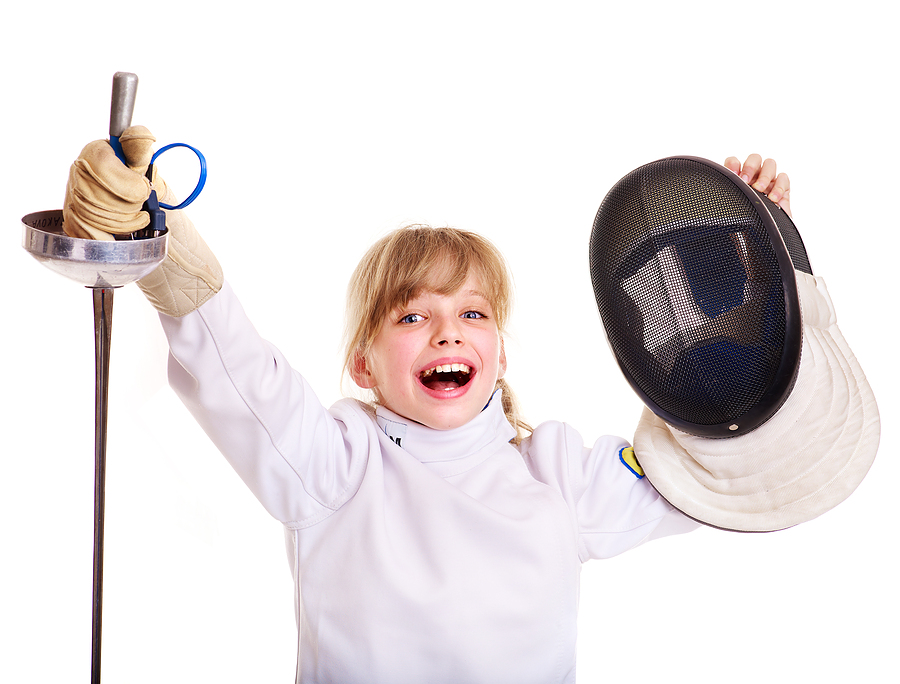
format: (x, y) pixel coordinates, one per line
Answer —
(696, 291)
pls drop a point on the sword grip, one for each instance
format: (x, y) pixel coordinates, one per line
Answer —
(124, 94)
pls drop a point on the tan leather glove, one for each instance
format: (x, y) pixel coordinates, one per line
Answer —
(104, 198)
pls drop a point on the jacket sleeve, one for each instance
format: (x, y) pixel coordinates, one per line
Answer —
(614, 508)
(297, 458)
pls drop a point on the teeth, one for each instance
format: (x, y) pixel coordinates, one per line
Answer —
(448, 368)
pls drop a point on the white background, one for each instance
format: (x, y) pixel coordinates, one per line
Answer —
(327, 124)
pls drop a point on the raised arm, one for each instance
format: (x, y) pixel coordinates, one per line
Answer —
(301, 460)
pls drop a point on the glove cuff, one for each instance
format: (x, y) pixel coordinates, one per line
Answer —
(190, 274)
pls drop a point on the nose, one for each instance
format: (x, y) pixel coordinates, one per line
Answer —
(448, 332)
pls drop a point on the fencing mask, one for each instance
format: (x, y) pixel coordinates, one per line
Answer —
(759, 415)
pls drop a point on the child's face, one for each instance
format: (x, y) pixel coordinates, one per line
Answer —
(435, 330)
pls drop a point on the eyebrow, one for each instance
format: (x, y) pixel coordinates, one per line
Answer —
(465, 293)
(475, 293)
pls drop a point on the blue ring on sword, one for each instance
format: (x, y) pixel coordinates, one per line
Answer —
(200, 183)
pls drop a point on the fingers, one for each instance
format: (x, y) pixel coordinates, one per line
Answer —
(106, 180)
(103, 196)
(733, 164)
(762, 175)
(750, 169)
(780, 187)
(137, 144)
(781, 193)
(765, 177)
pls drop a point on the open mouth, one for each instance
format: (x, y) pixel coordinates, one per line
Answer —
(447, 377)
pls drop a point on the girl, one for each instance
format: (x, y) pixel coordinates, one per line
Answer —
(432, 535)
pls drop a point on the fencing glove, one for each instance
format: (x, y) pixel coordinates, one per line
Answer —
(104, 199)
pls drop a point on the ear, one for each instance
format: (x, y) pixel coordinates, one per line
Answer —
(360, 372)
(502, 359)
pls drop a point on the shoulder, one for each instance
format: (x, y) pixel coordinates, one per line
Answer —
(556, 437)
(353, 413)
(556, 453)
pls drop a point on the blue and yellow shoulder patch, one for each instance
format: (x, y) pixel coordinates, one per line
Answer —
(629, 460)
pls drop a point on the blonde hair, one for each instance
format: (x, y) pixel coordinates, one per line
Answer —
(416, 259)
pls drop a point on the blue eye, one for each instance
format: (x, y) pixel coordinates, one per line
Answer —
(473, 315)
(412, 318)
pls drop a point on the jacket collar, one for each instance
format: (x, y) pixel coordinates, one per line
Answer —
(450, 452)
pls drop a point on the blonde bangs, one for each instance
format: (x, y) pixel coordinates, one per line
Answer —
(417, 259)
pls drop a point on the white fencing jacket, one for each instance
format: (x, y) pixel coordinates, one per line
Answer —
(418, 555)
